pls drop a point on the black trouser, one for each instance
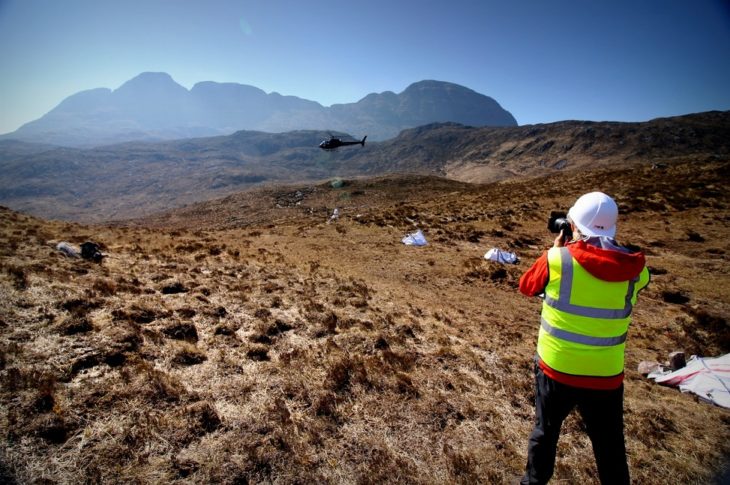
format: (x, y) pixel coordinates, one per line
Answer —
(602, 413)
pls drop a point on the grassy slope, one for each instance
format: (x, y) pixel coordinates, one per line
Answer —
(304, 351)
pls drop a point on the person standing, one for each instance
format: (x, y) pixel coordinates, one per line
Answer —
(589, 286)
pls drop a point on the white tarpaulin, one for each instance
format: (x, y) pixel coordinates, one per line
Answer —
(500, 256)
(415, 239)
(708, 377)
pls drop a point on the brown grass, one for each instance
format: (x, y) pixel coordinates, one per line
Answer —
(299, 352)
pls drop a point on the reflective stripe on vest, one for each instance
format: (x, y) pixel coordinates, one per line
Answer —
(582, 339)
(566, 287)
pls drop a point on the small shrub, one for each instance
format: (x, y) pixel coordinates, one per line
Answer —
(139, 315)
(157, 385)
(134, 286)
(80, 307)
(86, 362)
(187, 354)
(260, 339)
(463, 465)
(694, 236)
(115, 358)
(189, 248)
(20, 278)
(329, 322)
(224, 330)
(498, 274)
(711, 331)
(182, 331)
(127, 337)
(401, 361)
(344, 373)
(271, 287)
(326, 406)
(75, 326)
(174, 288)
(184, 468)
(258, 353)
(186, 313)
(51, 428)
(404, 385)
(43, 402)
(262, 313)
(104, 287)
(278, 328)
(676, 297)
(204, 419)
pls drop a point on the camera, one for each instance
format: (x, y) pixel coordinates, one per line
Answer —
(559, 222)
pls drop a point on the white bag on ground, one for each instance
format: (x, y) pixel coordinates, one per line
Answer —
(68, 249)
(708, 377)
(415, 239)
(500, 256)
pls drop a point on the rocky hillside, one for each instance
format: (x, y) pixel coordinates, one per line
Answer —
(152, 106)
(490, 154)
(133, 179)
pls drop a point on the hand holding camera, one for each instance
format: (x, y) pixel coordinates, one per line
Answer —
(559, 224)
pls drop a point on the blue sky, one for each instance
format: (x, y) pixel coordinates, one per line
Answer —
(543, 60)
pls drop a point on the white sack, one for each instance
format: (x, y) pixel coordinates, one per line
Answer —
(68, 250)
(500, 256)
(415, 239)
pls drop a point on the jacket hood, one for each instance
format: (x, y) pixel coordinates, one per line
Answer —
(614, 264)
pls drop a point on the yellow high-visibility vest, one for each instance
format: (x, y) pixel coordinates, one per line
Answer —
(585, 319)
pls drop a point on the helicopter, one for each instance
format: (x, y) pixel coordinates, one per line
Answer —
(335, 142)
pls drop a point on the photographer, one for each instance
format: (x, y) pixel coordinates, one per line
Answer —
(589, 285)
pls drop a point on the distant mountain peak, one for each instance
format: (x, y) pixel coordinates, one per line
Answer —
(430, 86)
(151, 80)
(225, 87)
(432, 83)
(152, 77)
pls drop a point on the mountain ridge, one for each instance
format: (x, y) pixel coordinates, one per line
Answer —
(153, 107)
(134, 179)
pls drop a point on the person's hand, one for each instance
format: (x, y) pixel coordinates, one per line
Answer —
(560, 240)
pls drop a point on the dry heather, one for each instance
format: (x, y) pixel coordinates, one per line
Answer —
(249, 341)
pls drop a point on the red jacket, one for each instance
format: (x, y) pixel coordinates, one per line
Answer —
(605, 264)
